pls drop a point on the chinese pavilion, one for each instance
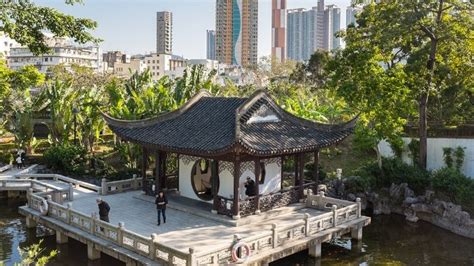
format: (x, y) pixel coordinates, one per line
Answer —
(220, 142)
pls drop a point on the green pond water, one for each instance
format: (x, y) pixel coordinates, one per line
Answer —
(389, 240)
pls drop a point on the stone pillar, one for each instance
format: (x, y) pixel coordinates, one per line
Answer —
(258, 173)
(30, 222)
(104, 188)
(61, 238)
(314, 249)
(71, 192)
(92, 253)
(236, 211)
(356, 233)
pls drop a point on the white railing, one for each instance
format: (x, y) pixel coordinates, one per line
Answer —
(279, 236)
(112, 187)
(56, 177)
(263, 242)
(41, 188)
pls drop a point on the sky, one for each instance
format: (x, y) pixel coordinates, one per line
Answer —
(129, 25)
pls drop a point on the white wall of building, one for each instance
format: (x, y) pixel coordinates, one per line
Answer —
(226, 180)
(435, 152)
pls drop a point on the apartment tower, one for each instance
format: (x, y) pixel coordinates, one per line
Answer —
(211, 44)
(279, 30)
(164, 32)
(332, 24)
(237, 32)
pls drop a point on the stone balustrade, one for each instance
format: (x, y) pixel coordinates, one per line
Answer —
(120, 186)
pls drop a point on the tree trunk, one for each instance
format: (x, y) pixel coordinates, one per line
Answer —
(423, 102)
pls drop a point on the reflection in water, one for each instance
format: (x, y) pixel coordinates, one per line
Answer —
(14, 234)
(388, 240)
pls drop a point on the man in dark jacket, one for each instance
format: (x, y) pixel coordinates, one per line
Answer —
(104, 210)
(250, 187)
(161, 202)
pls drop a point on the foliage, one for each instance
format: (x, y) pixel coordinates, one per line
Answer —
(65, 158)
(457, 187)
(447, 156)
(414, 147)
(313, 73)
(33, 255)
(17, 103)
(459, 155)
(394, 171)
(400, 54)
(25, 22)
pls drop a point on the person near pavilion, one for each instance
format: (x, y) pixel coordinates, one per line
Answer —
(161, 201)
(250, 188)
(104, 209)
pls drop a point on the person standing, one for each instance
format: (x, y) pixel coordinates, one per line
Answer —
(104, 210)
(19, 162)
(161, 202)
(250, 189)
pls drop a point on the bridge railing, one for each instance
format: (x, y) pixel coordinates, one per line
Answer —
(56, 177)
(111, 187)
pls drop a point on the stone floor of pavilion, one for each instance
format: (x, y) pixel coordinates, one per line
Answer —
(183, 229)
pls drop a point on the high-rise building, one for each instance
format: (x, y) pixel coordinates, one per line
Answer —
(237, 32)
(305, 32)
(279, 30)
(211, 44)
(351, 13)
(111, 57)
(6, 43)
(332, 24)
(164, 32)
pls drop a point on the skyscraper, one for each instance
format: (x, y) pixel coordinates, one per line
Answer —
(211, 44)
(351, 13)
(237, 32)
(279, 30)
(332, 24)
(164, 32)
(305, 32)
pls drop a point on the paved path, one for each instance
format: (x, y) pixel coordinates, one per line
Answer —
(182, 230)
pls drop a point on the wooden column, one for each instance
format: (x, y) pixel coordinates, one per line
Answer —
(282, 171)
(163, 156)
(236, 186)
(295, 179)
(301, 174)
(144, 167)
(316, 167)
(215, 183)
(258, 173)
(157, 171)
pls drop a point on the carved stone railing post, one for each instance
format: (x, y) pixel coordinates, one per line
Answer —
(334, 215)
(121, 227)
(28, 197)
(135, 182)
(104, 186)
(306, 224)
(154, 240)
(320, 199)
(191, 258)
(68, 213)
(93, 222)
(359, 207)
(71, 192)
(274, 235)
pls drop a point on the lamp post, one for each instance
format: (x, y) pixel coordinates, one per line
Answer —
(75, 112)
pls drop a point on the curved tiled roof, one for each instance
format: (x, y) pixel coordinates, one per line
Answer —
(208, 125)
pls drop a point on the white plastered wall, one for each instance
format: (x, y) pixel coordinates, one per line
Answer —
(226, 186)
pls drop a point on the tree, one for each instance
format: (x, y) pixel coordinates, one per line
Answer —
(313, 72)
(422, 47)
(25, 22)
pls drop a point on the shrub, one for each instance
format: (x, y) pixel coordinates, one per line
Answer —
(67, 159)
(451, 183)
(394, 171)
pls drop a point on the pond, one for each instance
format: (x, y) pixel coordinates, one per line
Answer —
(388, 240)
